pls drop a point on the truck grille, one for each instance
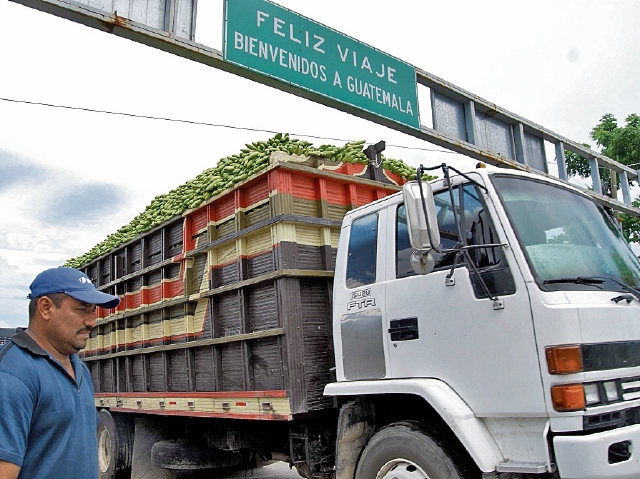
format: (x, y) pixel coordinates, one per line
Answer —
(612, 420)
(630, 389)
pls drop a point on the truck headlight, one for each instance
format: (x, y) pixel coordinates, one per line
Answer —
(611, 391)
(591, 394)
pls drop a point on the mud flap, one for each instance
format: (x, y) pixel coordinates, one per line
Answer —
(147, 433)
(356, 426)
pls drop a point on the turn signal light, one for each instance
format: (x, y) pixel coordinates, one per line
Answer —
(564, 359)
(568, 397)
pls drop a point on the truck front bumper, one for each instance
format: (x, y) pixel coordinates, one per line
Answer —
(606, 455)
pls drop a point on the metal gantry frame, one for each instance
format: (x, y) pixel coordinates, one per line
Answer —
(463, 122)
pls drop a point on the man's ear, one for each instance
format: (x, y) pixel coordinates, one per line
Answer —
(44, 307)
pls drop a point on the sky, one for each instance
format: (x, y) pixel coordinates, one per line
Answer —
(69, 178)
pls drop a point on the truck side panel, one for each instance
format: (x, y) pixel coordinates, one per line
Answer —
(226, 311)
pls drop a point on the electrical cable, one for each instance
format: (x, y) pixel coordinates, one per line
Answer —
(199, 123)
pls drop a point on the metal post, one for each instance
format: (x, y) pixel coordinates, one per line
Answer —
(562, 162)
(595, 175)
(470, 121)
(624, 184)
(518, 136)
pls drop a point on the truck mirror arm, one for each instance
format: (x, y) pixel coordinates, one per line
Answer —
(445, 169)
(460, 249)
(456, 217)
(464, 251)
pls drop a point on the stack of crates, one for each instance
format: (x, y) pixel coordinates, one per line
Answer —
(226, 310)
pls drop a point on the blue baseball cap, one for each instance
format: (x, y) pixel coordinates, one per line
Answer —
(73, 283)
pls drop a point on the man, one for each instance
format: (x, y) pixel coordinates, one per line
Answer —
(47, 412)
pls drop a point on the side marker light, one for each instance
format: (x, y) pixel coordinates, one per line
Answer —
(568, 397)
(564, 359)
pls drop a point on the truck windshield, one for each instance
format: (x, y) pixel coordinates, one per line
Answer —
(570, 242)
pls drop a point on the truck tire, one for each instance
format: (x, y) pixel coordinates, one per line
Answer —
(115, 445)
(403, 450)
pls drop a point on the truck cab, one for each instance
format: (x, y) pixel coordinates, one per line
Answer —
(517, 335)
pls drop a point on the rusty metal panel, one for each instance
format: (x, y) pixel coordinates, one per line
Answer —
(494, 135)
(176, 17)
(448, 116)
(184, 19)
(534, 152)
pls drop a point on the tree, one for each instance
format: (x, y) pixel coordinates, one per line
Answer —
(618, 143)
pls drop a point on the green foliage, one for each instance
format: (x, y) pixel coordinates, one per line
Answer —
(631, 225)
(226, 174)
(618, 143)
(577, 165)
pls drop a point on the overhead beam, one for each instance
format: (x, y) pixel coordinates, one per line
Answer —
(159, 39)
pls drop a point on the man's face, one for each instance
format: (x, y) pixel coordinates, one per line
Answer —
(71, 324)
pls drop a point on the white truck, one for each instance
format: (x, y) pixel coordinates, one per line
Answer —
(521, 356)
(483, 325)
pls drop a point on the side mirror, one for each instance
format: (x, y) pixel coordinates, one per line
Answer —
(422, 262)
(423, 229)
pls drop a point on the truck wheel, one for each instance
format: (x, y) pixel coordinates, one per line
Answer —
(402, 450)
(115, 445)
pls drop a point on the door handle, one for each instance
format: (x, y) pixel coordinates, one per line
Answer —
(404, 329)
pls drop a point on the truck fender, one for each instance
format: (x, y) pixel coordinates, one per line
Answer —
(355, 428)
(470, 431)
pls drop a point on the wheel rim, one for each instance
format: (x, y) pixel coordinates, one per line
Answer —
(401, 469)
(104, 449)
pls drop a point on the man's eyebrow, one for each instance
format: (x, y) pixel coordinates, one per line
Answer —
(82, 303)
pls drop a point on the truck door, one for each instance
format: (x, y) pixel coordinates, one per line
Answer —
(359, 301)
(449, 329)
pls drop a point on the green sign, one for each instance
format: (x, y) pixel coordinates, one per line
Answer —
(274, 41)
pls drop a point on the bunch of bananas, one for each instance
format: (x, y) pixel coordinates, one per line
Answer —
(226, 174)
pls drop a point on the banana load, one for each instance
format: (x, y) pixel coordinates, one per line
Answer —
(228, 172)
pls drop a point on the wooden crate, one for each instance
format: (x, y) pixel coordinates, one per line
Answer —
(226, 310)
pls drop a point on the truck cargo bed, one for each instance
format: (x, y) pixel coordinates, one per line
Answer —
(226, 310)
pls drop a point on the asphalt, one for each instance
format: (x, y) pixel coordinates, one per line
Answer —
(278, 470)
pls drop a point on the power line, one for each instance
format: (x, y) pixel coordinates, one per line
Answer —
(198, 123)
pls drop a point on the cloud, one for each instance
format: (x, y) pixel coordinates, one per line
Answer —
(16, 169)
(82, 204)
(52, 213)
(12, 280)
(54, 196)
(14, 286)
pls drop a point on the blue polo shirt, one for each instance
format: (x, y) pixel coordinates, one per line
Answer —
(47, 420)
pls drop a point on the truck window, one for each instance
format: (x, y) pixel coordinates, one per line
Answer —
(476, 229)
(363, 247)
(576, 240)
